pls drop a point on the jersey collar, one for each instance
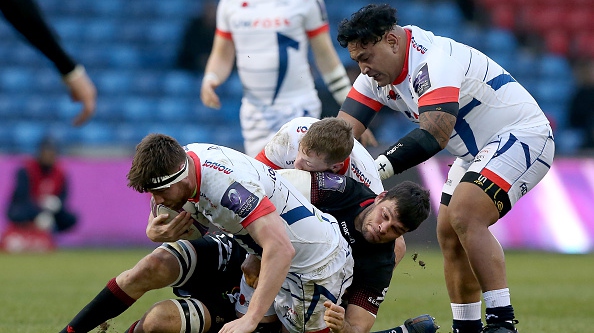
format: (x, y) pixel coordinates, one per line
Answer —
(404, 71)
(197, 164)
(345, 167)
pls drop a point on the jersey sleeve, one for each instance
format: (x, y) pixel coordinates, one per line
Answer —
(366, 298)
(361, 102)
(223, 27)
(437, 83)
(316, 18)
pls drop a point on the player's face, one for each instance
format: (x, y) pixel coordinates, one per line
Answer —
(381, 225)
(379, 61)
(173, 197)
(311, 162)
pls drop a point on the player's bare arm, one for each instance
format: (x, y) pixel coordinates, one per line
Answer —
(81, 90)
(159, 229)
(218, 68)
(439, 124)
(358, 127)
(277, 252)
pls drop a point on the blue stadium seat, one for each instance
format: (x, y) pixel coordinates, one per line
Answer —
(110, 110)
(499, 40)
(174, 110)
(97, 133)
(415, 13)
(27, 135)
(194, 134)
(181, 83)
(139, 109)
(554, 67)
(41, 108)
(16, 79)
(11, 105)
(445, 18)
(147, 82)
(113, 81)
(66, 108)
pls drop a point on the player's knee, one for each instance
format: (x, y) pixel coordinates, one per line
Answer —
(156, 270)
(185, 315)
(184, 258)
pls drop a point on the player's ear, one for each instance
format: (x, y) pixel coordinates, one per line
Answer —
(393, 40)
(336, 167)
(380, 196)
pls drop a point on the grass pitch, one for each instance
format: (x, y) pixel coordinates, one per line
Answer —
(550, 292)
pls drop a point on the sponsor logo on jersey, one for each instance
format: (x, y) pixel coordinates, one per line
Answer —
(239, 200)
(217, 167)
(360, 176)
(345, 232)
(417, 47)
(301, 129)
(262, 23)
(331, 181)
(373, 301)
(422, 83)
(391, 151)
(524, 188)
(393, 95)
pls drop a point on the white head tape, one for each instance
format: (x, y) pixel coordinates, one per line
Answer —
(159, 183)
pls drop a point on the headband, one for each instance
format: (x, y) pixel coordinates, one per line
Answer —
(159, 183)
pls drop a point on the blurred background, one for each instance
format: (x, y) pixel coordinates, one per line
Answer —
(146, 58)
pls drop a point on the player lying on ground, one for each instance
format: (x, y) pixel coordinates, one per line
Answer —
(370, 223)
(213, 261)
(266, 215)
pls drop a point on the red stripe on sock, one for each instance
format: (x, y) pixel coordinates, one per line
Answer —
(112, 285)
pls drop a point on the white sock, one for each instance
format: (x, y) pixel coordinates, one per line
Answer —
(467, 311)
(497, 298)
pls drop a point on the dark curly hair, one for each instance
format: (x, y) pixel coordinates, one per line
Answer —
(412, 203)
(367, 25)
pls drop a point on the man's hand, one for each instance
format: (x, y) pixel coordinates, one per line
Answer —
(367, 139)
(82, 90)
(207, 92)
(384, 167)
(159, 230)
(251, 270)
(334, 317)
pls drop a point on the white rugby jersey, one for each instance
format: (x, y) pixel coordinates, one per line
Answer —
(271, 42)
(440, 70)
(281, 152)
(234, 190)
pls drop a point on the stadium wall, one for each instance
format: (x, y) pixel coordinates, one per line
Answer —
(557, 216)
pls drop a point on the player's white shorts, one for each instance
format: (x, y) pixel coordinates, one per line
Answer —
(260, 123)
(300, 303)
(514, 162)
